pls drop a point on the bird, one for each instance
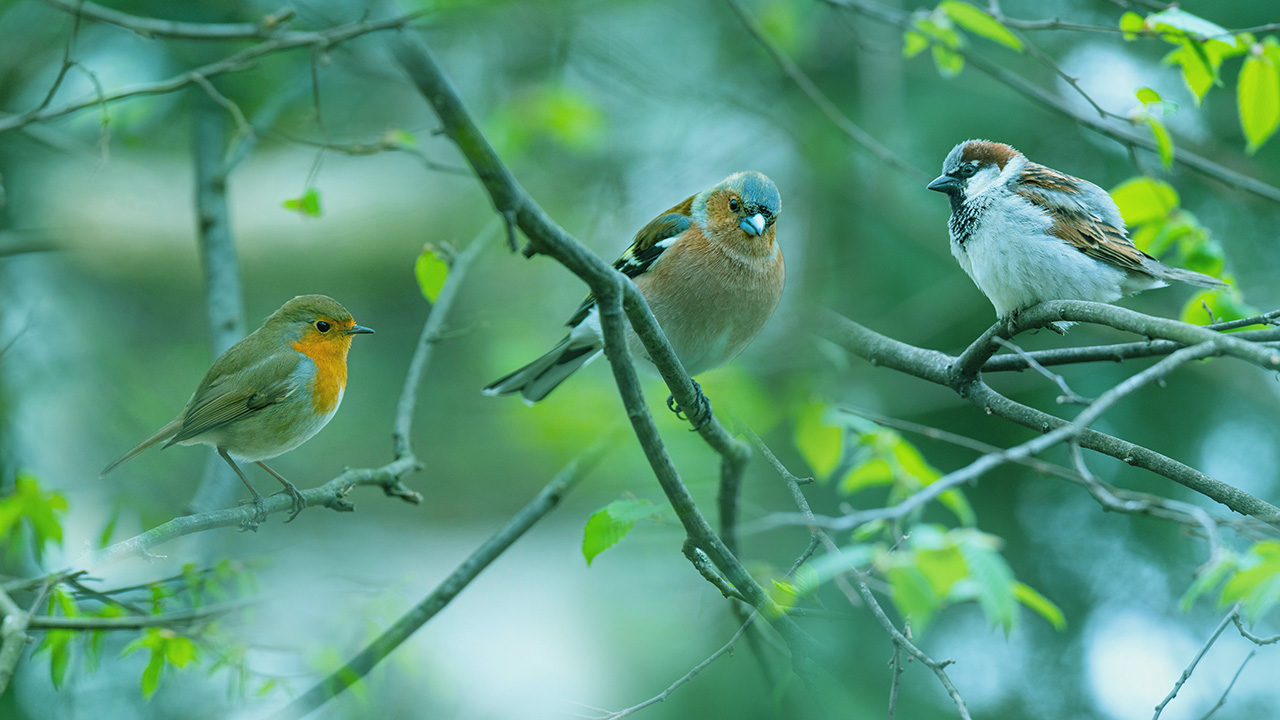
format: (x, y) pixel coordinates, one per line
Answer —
(710, 269)
(1026, 233)
(268, 393)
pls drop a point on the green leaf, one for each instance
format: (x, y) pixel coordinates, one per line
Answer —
(820, 443)
(994, 580)
(1258, 93)
(431, 271)
(913, 596)
(1131, 23)
(612, 523)
(1164, 143)
(1180, 20)
(913, 43)
(151, 675)
(1041, 605)
(308, 204)
(871, 473)
(941, 568)
(1206, 580)
(180, 650)
(1197, 70)
(1146, 95)
(1144, 199)
(1225, 304)
(979, 23)
(949, 62)
(399, 137)
(1258, 584)
(955, 501)
(59, 644)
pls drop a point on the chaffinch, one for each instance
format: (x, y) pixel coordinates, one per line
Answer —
(712, 273)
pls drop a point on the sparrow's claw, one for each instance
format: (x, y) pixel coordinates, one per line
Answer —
(702, 408)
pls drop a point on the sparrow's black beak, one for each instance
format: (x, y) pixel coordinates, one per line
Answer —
(359, 330)
(944, 184)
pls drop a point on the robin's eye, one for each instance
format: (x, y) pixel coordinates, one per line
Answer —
(322, 326)
(734, 205)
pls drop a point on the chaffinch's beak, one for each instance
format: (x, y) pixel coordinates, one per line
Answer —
(753, 225)
(944, 184)
(358, 330)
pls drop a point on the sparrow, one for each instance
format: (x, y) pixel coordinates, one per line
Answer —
(1026, 233)
(710, 269)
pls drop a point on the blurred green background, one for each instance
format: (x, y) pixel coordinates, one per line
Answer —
(608, 112)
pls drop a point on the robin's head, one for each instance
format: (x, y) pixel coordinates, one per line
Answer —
(316, 325)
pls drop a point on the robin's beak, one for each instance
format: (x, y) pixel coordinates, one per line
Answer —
(944, 184)
(753, 225)
(358, 330)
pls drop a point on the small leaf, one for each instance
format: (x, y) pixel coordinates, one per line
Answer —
(1206, 580)
(1258, 584)
(1175, 18)
(1146, 95)
(399, 137)
(612, 523)
(1130, 23)
(1041, 605)
(979, 23)
(308, 204)
(1164, 143)
(1258, 94)
(1144, 199)
(431, 272)
(871, 473)
(820, 443)
(913, 43)
(151, 675)
(949, 62)
(913, 596)
(994, 581)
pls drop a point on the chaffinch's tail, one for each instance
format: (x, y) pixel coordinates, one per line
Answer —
(537, 379)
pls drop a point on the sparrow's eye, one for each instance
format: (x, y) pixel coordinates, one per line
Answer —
(322, 326)
(966, 171)
(734, 204)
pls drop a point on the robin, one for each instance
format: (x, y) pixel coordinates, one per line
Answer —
(270, 392)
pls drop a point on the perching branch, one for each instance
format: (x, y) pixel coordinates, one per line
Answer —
(962, 374)
(269, 27)
(615, 295)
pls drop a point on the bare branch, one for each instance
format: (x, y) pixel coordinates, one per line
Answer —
(1196, 661)
(138, 622)
(1223, 699)
(1251, 637)
(271, 26)
(728, 647)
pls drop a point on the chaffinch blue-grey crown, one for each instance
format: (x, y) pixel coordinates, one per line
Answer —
(710, 269)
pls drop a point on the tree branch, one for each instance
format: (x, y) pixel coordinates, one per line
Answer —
(1186, 674)
(270, 26)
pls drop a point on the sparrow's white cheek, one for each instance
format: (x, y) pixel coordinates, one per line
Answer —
(982, 181)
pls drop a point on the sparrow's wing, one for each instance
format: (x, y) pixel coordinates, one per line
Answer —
(228, 398)
(646, 248)
(1084, 216)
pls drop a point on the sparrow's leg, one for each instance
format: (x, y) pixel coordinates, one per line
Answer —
(702, 405)
(260, 512)
(298, 502)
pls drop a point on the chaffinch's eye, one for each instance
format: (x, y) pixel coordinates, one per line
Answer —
(322, 326)
(734, 204)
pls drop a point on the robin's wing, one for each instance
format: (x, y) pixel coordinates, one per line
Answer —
(647, 246)
(1084, 216)
(226, 398)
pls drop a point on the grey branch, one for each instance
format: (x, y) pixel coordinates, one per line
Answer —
(616, 296)
(961, 375)
(1186, 674)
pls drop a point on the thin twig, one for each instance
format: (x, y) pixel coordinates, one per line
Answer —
(1251, 637)
(1068, 395)
(726, 648)
(1196, 661)
(1223, 699)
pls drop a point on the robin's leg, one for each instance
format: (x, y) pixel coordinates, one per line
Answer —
(298, 502)
(260, 512)
(702, 405)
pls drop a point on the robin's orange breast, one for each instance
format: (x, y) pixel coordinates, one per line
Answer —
(330, 356)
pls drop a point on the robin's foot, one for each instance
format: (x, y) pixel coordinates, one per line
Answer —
(702, 407)
(299, 503)
(259, 511)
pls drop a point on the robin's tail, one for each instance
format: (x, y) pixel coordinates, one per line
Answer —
(161, 435)
(535, 380)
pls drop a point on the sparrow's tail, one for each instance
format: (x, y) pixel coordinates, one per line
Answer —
(1173, 274)
(537, 379)
(161, 435)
